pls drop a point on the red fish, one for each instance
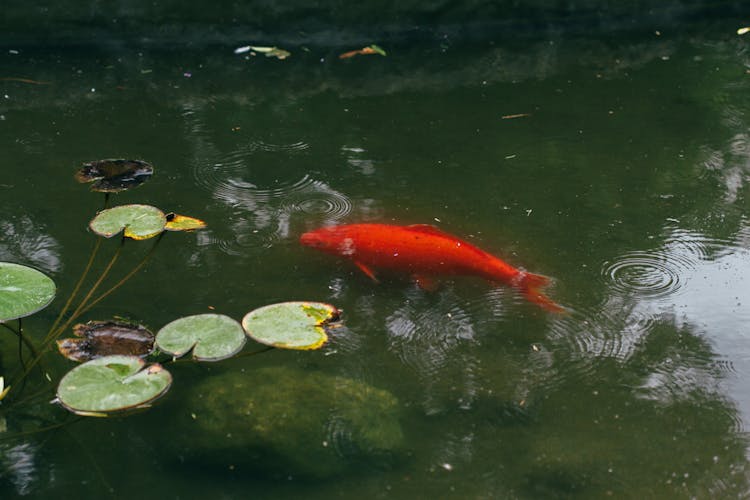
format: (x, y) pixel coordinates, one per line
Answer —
(424, 252)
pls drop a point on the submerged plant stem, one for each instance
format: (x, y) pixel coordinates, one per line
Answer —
(76, 289)
(22, 340)
(20, 344)
(79, 310)
(50, 427)
(53, 334)
(125, 278)
(253, 353)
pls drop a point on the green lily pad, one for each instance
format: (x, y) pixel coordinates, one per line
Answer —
(290, 325)
(23, 291)
(113, 176)
(139, 222)
(112, 384)
(97, 339)
(212, 337)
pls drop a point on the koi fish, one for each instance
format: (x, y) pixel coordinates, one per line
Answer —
(424, 252)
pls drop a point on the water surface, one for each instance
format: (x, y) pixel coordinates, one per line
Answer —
(625, 179)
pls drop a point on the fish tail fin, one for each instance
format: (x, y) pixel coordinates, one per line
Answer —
(531, 286)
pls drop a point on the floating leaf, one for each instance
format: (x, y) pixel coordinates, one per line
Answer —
(140, 222)
(212, 337)
(372, 49)
(744, 30)
(516, 115)
(290, 325)
(113, 176)
(105, 338)
(177, 222)
(268, 51)
(23, 291)
(112, 384)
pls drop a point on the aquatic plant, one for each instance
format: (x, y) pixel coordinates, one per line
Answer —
(114, 377)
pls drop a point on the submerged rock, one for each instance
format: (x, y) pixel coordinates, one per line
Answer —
(289, 422)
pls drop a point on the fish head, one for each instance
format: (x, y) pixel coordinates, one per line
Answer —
(328, 239)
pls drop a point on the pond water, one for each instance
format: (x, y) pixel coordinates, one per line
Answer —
(617, 165)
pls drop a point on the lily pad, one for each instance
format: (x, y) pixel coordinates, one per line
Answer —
(113, 176)
(23, 291)
(212, 337)
(112, 384)
(290, 325)
(139, 222)
(105, 338)
(176, 222)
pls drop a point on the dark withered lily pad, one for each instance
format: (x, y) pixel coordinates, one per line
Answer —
(113, 176)
(104, 338)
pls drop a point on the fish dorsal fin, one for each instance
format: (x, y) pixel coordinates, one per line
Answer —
(428, 229)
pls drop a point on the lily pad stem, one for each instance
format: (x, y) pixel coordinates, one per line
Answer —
(50, 427)
(21, 339)
(76, 289)
(56, 333)
(253, 353)
(79, 310)
(117, 285)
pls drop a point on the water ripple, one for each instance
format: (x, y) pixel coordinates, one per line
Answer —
(644, 273)
(318, 199)
(661, 272)
(264, 216)
(428, 334)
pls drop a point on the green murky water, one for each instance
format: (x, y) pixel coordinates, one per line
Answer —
(626, 180)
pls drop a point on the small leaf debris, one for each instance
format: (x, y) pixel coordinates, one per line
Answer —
(517, 115)
(372, 49)
(268, 51)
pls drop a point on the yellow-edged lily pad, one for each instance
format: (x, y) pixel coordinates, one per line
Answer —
(291, 325)
(139, 222)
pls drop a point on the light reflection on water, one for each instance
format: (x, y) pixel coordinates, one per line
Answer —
(692, 281)
(25, 242)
